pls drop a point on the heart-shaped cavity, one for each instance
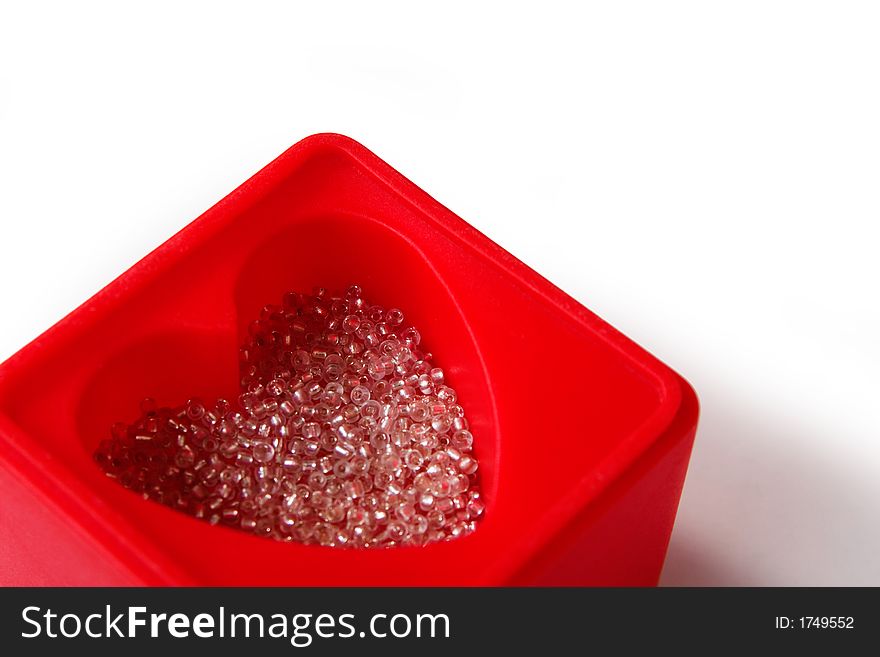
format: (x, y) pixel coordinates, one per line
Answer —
(344, 434)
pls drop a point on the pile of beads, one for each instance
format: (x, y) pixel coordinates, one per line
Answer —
(344, 434)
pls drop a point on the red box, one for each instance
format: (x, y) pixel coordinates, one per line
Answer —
(583, 437)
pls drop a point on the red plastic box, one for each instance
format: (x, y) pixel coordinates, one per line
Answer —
(583, 437)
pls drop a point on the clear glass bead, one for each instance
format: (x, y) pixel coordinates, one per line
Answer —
(351, 323)
(463, 440)
(437, 376)
(301, 359)
(359, 395)
(468, 465)
(263, 452)
(426, 501)
(311, 430)
(376, 369)
(419, 525)
(441, 423)
(419, 412)
(411, 337)
(406, 512)
(395, 531)
(475, 508)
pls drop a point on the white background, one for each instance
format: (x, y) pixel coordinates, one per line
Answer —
(705, 176)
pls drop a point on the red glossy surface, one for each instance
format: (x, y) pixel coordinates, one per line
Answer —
(583, 437)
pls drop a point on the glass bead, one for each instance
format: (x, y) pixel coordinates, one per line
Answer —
(376, 369)
(365, 329)
(325, 464)
(394, 317)
(459, 424)
(425, 385)
(184, 458)
(379, 441)
(318, 500)
(441, 423)
(301, 396)
(368, 425)
(455, 410)
(422, 482)
(317, 480)
(411, 337)
(353, 489)
(327, 441)
(371, 409)
(406, 512)
(300, 359)
(356, 516)
(359, 395)
(195, 409)
(351, 323)
(351, 413)
(468, 465)
(399, 438)
(263, 452)
(395, 530)
(436, 518)
(333, 394)
(412, 459)
(418, 412)
(380, 389)
(443, 487)
(419, 525)
(446, 395)
(388, 409)
(347, 432)
(389, 348)
(390, 461)
(335, 512)
(463, 440)
(426, 501)
(453, 454)
(382, 479)
(475, 508)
